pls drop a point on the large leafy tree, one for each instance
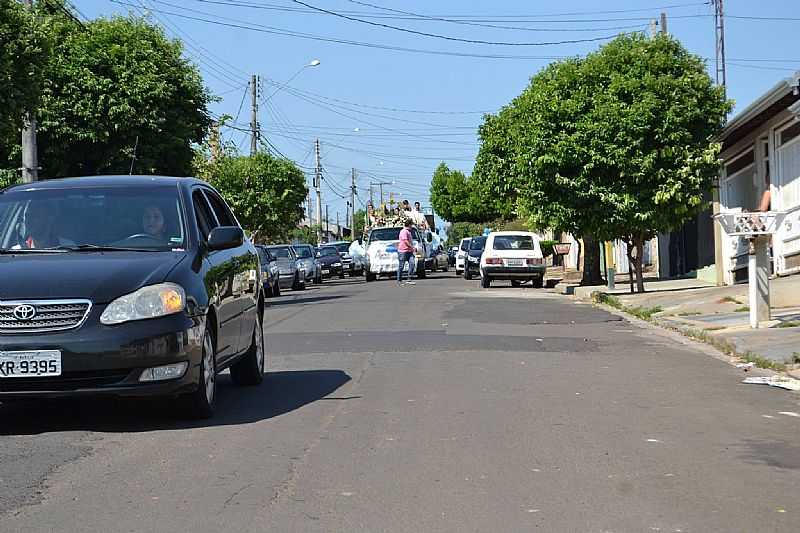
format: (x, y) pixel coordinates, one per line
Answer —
(265, 192)
(118, 91)
(614, 145)
(455, 199)
(24, 53)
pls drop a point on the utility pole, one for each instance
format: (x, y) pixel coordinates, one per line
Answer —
(327, 226)
(352, 218)
(719, 23)
(254, 115)
(371, 200)
(317, 180)
(338, 227)
(309, 217)
(663, 23)
(30, 156)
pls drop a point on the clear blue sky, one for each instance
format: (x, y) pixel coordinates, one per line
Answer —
(394, 114)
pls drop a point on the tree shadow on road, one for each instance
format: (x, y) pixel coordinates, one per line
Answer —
(280, 393)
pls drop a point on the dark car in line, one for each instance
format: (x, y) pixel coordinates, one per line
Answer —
(270, 273)
(331, 261)
(351, 267)
(127, 286)
(472, 261)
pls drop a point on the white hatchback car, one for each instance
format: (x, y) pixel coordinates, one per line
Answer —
(512, 255)
(461, 255)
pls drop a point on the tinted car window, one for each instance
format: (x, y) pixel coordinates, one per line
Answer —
(328, 251)
(513, 242)
(385, 234)
(465, 245)
(477, 243)
(343, 246)
(223, 214)
(282, 253)
(205, 219)
(303, 252)
(151, 218)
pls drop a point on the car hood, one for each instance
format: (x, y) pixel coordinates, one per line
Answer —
(329, 259)
(475, 253)
(97, 276)
(286, 265)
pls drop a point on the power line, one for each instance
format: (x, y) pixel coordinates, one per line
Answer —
(260, 28)
(448, 37)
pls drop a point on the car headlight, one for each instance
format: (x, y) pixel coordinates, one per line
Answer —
(337, 264)
(148, 302)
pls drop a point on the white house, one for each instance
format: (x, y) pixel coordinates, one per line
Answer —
(760, 152)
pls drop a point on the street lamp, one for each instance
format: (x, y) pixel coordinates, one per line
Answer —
(311, 64)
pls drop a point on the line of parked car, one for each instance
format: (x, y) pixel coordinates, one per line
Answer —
(294, 266)
(500, 255)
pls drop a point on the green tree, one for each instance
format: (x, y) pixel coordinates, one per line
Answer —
(24, 53)
(615, 145)
(454, 199)
(462, 230)
(116, 87)
(265, 192)
(359, 221)
(305, 234)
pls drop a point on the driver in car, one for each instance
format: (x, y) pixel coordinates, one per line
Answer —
(153, 223)
(40, 227)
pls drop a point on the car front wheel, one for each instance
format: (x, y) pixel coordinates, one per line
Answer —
(249, 370)
(200, 403)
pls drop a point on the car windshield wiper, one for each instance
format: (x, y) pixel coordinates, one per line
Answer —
(99, 248)
(15, 251)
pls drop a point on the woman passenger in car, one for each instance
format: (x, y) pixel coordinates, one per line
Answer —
(153, 222)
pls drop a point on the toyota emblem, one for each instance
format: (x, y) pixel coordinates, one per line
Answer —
(24, 312)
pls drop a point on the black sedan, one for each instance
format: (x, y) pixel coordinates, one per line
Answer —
(127, 286)
(472, 263)
(331, 262)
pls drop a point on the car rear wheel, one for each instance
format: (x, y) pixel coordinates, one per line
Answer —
(200, 403)
(486, 282)
(249, 370)
(538, 283)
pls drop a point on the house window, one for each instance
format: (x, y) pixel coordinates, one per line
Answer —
(747, 159)
(790, 133)
(739, 184)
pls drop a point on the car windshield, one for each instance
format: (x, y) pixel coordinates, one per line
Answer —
(513, 242)
(303, 252)
(477, 243)
(281, 252)
(465, 245)
(150, 219)
(342, 246)
(385, 234)
(328, 251)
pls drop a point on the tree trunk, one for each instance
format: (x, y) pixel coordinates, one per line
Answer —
(638, 242)
(591, 262)
(629, 252)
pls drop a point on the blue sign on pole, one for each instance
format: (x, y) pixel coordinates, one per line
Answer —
(486, 232)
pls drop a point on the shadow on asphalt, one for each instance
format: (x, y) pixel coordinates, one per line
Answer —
(309, 300)
(280, 393)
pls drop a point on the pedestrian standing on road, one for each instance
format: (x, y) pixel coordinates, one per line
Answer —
(405, 252)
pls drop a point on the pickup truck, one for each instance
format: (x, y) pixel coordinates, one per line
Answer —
(382, 257)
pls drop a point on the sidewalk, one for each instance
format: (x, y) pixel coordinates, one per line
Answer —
(718, 315)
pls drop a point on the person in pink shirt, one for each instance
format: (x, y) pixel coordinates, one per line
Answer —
(405, 253)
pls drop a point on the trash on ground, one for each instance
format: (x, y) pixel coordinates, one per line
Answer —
(774, 381)
(745, 366)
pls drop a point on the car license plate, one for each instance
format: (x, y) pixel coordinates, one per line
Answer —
(34, 363)
(326, 271)
(514, 262)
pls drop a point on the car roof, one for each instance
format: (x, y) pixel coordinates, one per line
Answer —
(501, 233)
(103, 181)
(273, 246)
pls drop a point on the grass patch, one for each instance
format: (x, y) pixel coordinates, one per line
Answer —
(728, 348)
(713, 328)
(690, 313)
(762, 362)
(742, 309)
(643, 313)
(729, 300)
(789, 324)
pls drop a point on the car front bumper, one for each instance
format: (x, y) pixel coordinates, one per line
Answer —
(505, 272)
(332, 271)
(108, 360)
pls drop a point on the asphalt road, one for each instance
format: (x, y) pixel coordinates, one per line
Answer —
(434, 408)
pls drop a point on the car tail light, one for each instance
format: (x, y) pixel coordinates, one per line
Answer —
(534, 260)
(494, 261)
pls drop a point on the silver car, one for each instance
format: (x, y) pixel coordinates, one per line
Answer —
(292, 276)
(306, 259)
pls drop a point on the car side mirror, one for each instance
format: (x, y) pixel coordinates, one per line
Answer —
(225, 237)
